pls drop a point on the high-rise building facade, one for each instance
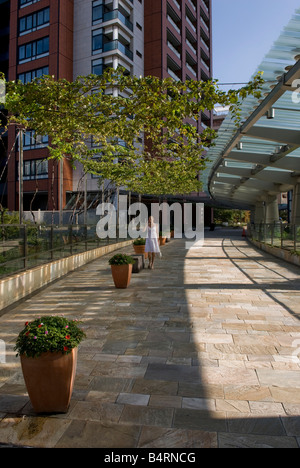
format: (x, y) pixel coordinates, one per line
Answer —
(69, 38)
(178, 41)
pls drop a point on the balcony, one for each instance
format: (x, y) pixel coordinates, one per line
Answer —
(170, 45)
(191, 24)
(190, 68)
(191, 46)
(173, 75)
(192, 5)
(177, 28)
(206, 9)
(117, 45)
(204, 25)
(205, 64)
(116, 14)
(177, 4)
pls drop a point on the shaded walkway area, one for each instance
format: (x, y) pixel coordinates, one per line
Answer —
(202, 351)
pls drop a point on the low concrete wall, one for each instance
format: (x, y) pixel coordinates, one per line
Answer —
(18, 286)
(277, 252)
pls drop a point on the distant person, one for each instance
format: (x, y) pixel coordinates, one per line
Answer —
(152, 244)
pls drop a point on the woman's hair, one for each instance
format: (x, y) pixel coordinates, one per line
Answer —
(151, 220)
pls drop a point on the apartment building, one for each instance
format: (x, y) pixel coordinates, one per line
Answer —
(178, 41)
(68, 38)
(107, 34)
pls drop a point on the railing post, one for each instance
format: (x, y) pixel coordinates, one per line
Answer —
(295, 237)
(281, 235)
(272, 234)
(25, 247)
(71, 239)
(51, 242)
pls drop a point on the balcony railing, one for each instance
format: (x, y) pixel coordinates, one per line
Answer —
(189, 67)
(116, 14)
(174, 49)
(206, 28)
(191, 46)
(191, 24)
(113, 45)
(23, 247)
(278, 234)
(174, 24)
(173, 74)
(192, 5)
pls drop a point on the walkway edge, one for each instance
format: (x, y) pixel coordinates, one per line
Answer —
(18, 286)
(277, 252)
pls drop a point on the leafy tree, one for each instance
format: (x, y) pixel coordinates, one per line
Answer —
(222, 215)
(88, 123)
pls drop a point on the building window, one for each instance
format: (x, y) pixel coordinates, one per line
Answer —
(34, 50)
(31, 75)
(35, 169)
(32, 141)
(24, 3)
(97, 11)
(97, 41)
(97, 67)
(35, 21)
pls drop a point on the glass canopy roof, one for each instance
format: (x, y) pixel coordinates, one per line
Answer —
(262, 157)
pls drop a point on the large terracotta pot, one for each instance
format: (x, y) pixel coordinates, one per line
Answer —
(162, 240)
(140, 249)
(49, 379)
(121, 275)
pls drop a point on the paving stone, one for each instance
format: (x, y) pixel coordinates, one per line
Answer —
(251, 424)
(157, 437)
(228, 440)
(147, 416)
(91, 434)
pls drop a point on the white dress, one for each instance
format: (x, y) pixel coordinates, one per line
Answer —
(152, 244)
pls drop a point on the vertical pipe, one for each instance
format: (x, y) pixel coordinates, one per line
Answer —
(21, 176)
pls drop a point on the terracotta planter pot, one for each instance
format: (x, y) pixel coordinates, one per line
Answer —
(140, 249)
(121, 275)
(49, 380)
(162, 240)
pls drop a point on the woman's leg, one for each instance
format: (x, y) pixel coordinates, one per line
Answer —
(150, 259)
(153, 257)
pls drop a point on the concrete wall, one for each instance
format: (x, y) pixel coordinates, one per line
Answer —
(18, 286)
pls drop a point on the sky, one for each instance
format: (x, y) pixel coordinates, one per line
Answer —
(243, 33)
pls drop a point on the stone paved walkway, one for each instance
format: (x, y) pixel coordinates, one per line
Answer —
(200, 352)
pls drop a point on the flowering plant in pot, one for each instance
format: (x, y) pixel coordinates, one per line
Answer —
(48, 348)
(121, 268)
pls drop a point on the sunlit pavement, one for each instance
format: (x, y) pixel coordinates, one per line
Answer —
(202, 351)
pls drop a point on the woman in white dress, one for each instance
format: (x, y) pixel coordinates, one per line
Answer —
(152, 244)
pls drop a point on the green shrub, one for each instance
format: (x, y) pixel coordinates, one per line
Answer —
(121, 259)
(139, 241)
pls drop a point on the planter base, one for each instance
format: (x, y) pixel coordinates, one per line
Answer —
(49, 380)
(140, 249)
(121, 275)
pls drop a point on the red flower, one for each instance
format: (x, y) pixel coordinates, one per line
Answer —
(66, 348)
(68, 337)
(27, 334)
(40, 325)
(26, 323)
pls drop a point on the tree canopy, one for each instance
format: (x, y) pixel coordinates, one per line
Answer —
(143, 137)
